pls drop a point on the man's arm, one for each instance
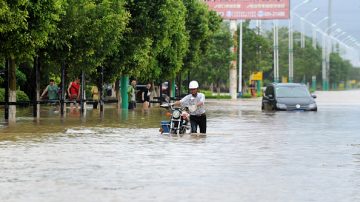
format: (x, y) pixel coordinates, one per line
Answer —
(68, 89)
(79, 91)
(45, 91)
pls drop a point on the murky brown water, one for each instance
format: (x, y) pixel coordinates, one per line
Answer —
(248, 155)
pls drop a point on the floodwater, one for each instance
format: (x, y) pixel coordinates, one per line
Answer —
(248, 155)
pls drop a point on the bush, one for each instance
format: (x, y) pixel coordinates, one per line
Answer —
(246, 95)
(218, 96)
(2, 94)
(20, 95)
(210, 95)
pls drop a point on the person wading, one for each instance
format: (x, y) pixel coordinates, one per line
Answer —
(195, 101)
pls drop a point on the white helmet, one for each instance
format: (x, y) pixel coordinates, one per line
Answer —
(193, 85)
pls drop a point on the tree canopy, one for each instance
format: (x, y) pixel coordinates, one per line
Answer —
(151, 40)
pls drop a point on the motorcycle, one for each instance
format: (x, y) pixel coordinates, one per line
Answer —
(179, 122)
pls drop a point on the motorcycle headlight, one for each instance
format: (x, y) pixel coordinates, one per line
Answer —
(281, 106)
(176, 114)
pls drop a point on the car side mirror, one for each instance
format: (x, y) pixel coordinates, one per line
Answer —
(313, 96)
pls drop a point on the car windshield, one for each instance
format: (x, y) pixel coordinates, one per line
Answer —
(292, 91)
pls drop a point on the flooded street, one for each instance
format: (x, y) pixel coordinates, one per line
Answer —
(248, 155)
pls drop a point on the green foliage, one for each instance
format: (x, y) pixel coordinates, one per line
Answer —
(201, 24)
(147, 39)
(210, 95)
(246, 95)
(2, 95)
(156, 40)
(214, 66)
(20, 95)
(20, 77)
(89, 31)
(25, 26)
(307, 61)
(257, 51)
(339, 71)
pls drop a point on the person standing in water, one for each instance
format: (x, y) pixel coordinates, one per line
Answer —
(195, 101)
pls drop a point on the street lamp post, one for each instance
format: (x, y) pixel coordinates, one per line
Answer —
(337, 39)
(314, 30)
(326, 57)
(303, 26)
(291, 42)
(276, 51)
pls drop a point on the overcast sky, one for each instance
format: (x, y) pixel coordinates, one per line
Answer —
(345, 13)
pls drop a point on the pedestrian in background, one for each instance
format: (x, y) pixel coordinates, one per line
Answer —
(74, 92)
(95, 96)
(145, 96)
(132, 94)
(52, 92)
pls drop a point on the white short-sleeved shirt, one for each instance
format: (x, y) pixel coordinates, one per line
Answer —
(190, 100)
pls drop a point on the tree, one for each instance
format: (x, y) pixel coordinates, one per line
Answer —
(24, 29)
(200, 23)
(339, 69)
(155, 41)
(307, 61)
(257, 52)
(214, 65)
(89, 31)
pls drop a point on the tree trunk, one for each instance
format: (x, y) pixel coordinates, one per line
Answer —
(233, 81)
(218, 89)
(36, 112)
(12, 89)
(211, 87)
(117, 92)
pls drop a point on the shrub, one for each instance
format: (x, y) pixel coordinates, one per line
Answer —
(246, 95)
(210, 95)
(218, 96)
(20, 95)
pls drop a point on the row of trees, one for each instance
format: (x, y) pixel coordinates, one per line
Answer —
(258, 56)
(308, 61)
(147, 39)
(151, 40)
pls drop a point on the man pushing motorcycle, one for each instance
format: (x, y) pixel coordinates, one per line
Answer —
(195, 103)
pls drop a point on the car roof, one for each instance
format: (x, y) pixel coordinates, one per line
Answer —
(287, 84)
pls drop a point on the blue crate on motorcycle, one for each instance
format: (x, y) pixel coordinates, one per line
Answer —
(165, 125)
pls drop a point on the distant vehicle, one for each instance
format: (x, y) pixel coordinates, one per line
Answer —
(165, 88)
(288, 97)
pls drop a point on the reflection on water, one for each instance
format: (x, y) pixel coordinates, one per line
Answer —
(248, 155)
(51, 120)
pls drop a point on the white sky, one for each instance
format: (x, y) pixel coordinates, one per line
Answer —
(345, 13)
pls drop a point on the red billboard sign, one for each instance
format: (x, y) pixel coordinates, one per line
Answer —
(250, 9)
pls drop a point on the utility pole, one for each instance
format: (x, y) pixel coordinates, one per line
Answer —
(276, 51)
(326, 81)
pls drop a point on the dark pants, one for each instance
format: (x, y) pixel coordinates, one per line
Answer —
(198, 121)
(132, 105)
(95, 104)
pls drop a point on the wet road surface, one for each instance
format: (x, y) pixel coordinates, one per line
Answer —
(248, 155)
